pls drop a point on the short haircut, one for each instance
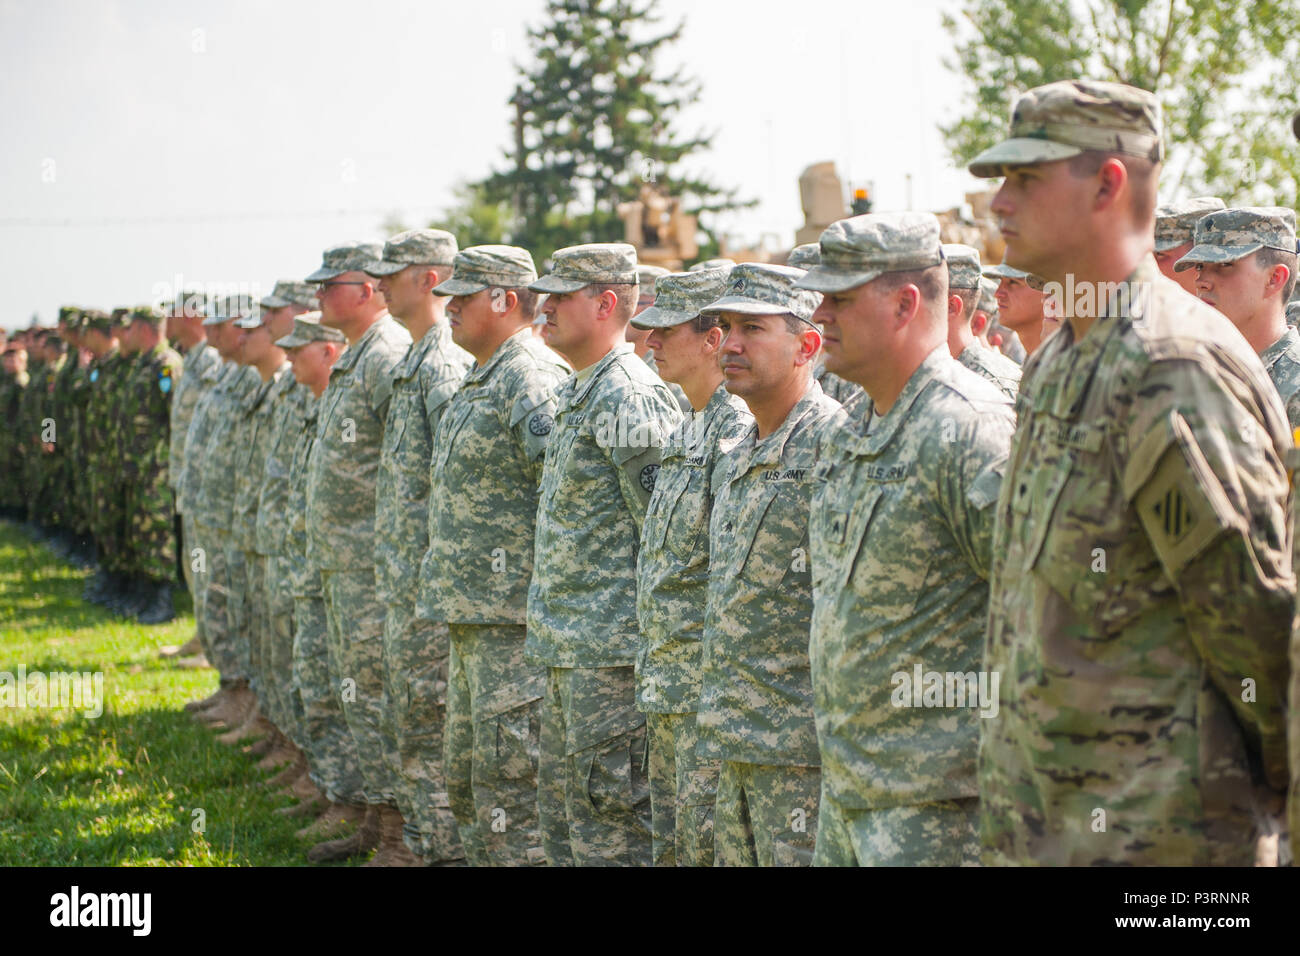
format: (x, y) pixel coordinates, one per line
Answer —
(1143, 177)
(627, 297)
(1268, 257)
(528, 300)
(969, 299)
(702, 323)
(932, 282)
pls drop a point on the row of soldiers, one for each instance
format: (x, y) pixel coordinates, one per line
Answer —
(832, 581)
(85, 450)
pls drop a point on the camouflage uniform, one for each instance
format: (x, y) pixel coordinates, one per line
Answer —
(341, 523)
(415, 649)
(672, 590)
(611, 420)
(1140, 570)
(321, 729)
(103, 457)
(486, 468)
(147, 397)
(210, 485)
(900, 530)
(1232, 234)
(11, 482)
(199, 365)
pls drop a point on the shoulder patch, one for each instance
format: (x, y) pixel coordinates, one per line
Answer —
(541, 424)
(649, 474)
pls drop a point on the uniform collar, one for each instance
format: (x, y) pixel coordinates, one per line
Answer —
(771, 450)
(599, 369)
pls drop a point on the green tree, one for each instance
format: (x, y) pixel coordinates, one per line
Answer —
(595, 122)
(1225, 72)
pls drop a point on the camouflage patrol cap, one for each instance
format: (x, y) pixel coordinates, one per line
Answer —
(1176, 221)
(988, 301)
(229, 307)
(805, 256)
(679, 297)
(120, 317)
(69, 315)
(857, 250)
(648, 275)
(760, 288)
(99, 320)
(963, 265)
(1063, 119)
(307, 329)
(347, 257)
(1230, 234)
(189, 303)
(577, 267)
(289, 292)
(147, 313)
(1004, 271)
(482, 267)
(709, 265)
(415, 247)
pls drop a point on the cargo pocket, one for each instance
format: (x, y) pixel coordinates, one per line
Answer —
(517, 742)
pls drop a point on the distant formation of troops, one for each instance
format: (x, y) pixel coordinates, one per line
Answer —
(750, 564)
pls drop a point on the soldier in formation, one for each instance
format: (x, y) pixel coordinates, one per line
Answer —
(743, 565)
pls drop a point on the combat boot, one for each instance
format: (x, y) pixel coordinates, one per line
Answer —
(234, 710)
(189, 648)
(337, 818)
(365, 839)
(291, 771)
(157, 607)
(216, 697)
(312, 804)
(393, 850)
(254, 725)
(282, 752)
(135, 596)
(119, 594)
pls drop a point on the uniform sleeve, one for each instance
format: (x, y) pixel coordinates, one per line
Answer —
(437, 395)
(1205, 475)
(634, 439)
(531, 421)
(380, 366)
(969, 491)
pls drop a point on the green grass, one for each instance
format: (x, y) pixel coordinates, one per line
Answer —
(119, 789)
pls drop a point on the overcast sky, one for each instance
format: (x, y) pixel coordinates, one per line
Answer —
(230, 142)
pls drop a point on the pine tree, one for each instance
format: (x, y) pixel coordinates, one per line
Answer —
(595, 121)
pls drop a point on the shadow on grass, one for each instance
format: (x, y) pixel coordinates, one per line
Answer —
(152, 787)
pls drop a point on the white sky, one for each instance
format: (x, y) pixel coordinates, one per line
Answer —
(231, 142)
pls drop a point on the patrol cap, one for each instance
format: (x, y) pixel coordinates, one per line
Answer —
(482, 267)
(228, 308)
(708, 265)
(1176, 221)
(963, 265)
(120, 317)
(1063, 119)
(290, 292)
(147, 313)
(253, 320)
(307, 329)
(99, 320)
(69, 315)
(347, 257)
(760, 288)
(857, 250)
(648, 275)
(1230, 234)
(577, 267)
(415, 247)
(988, 302)
(189, 303)
(679, 297)
(1004, 271)
(804, 256)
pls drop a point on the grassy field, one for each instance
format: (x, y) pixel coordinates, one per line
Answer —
(120, 789)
